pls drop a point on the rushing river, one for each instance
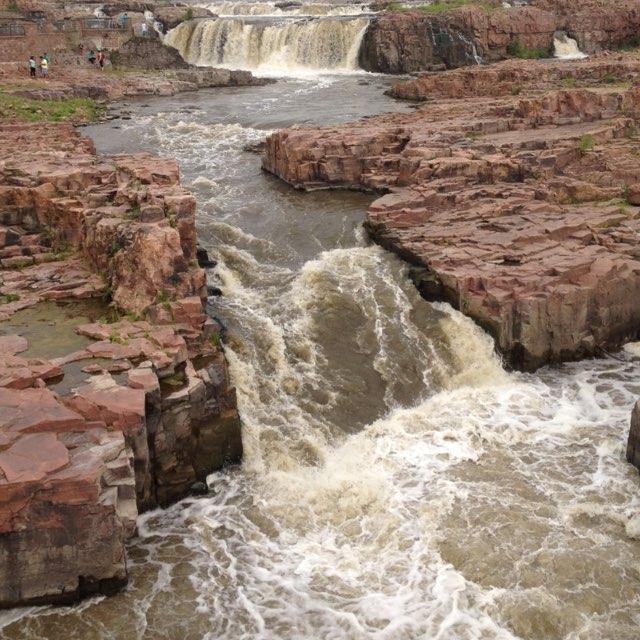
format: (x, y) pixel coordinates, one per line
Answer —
(397, 483)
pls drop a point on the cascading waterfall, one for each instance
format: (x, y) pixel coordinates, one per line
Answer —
(566, 48)
(223, 9)
(397, 483)
(282, 46)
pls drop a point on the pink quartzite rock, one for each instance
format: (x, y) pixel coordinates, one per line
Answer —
(76, 468)
(514, 209)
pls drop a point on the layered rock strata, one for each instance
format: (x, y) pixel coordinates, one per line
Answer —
(522, 211)
(410, 42)
(140, 407)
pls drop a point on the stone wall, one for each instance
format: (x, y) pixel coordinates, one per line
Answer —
(46, 38)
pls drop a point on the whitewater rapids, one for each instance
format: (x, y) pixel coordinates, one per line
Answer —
(397, 484)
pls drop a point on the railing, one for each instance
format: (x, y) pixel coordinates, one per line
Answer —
(10, 29)
(103, 24)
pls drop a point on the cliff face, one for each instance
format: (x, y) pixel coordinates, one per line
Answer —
(410, 42)
(135, 409)
(518, 210)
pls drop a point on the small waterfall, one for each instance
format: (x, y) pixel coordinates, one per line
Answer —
(566, 48)
(282, 46)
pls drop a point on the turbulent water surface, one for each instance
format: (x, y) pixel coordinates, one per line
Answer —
(397, 483)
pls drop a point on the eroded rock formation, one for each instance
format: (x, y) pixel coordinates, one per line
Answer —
(141, 407)
(519, 210)
(413, 41)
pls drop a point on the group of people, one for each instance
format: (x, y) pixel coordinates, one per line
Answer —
(98, 57)
(42, 64)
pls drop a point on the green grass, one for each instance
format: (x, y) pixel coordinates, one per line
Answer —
(586, 142)
(515, 49)
(28, 110)
(6, 298)
(442, 6)
(629, 45)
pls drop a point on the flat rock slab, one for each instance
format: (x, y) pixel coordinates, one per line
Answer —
(518, 210)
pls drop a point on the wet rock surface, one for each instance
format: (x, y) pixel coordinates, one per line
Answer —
(413, 41)
(515, 209)
(147, 410)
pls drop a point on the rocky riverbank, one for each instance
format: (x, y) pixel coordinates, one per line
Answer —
(519, 209)
(114, 392)
(406, 42)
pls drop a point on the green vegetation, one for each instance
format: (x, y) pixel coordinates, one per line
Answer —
(77, 110)
(13, 7)
(134, 212)
(629, 45)
(516, 49)
(442, 6)
(6, 298)
(117, 338)
(586, 142)
(189, 14)
(569, 83)
(516, 90)
(609, 79)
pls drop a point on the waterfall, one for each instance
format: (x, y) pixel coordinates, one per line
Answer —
(276, 46)
(566, 48)
(228, 8)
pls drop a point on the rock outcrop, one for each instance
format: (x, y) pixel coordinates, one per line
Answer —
(413, 41)
(141, 407)
(519, 210)
(633, 443)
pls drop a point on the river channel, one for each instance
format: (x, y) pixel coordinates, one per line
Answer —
(397, 483)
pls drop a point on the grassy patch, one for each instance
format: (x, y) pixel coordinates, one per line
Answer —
(586, 142)
(28, 110)
(515, 49)
(6, 298)
(442, 6)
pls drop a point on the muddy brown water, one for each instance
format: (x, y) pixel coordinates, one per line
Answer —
(397, 483)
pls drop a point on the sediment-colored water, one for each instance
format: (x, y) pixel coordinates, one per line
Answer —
(397, 484)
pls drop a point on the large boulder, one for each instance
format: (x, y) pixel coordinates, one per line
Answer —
(147, 53)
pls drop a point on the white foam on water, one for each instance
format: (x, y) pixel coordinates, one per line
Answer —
(299, 48)
(397, 483)
(566, 48)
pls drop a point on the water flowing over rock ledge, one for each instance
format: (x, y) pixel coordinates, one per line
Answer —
(519, 211)
(130, 413)
(412, 41)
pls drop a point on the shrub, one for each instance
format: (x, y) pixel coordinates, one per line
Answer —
(586, 142)
(516, 49)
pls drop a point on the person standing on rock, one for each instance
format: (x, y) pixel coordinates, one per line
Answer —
(32, 66)
(44, 67)
(101, 59)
